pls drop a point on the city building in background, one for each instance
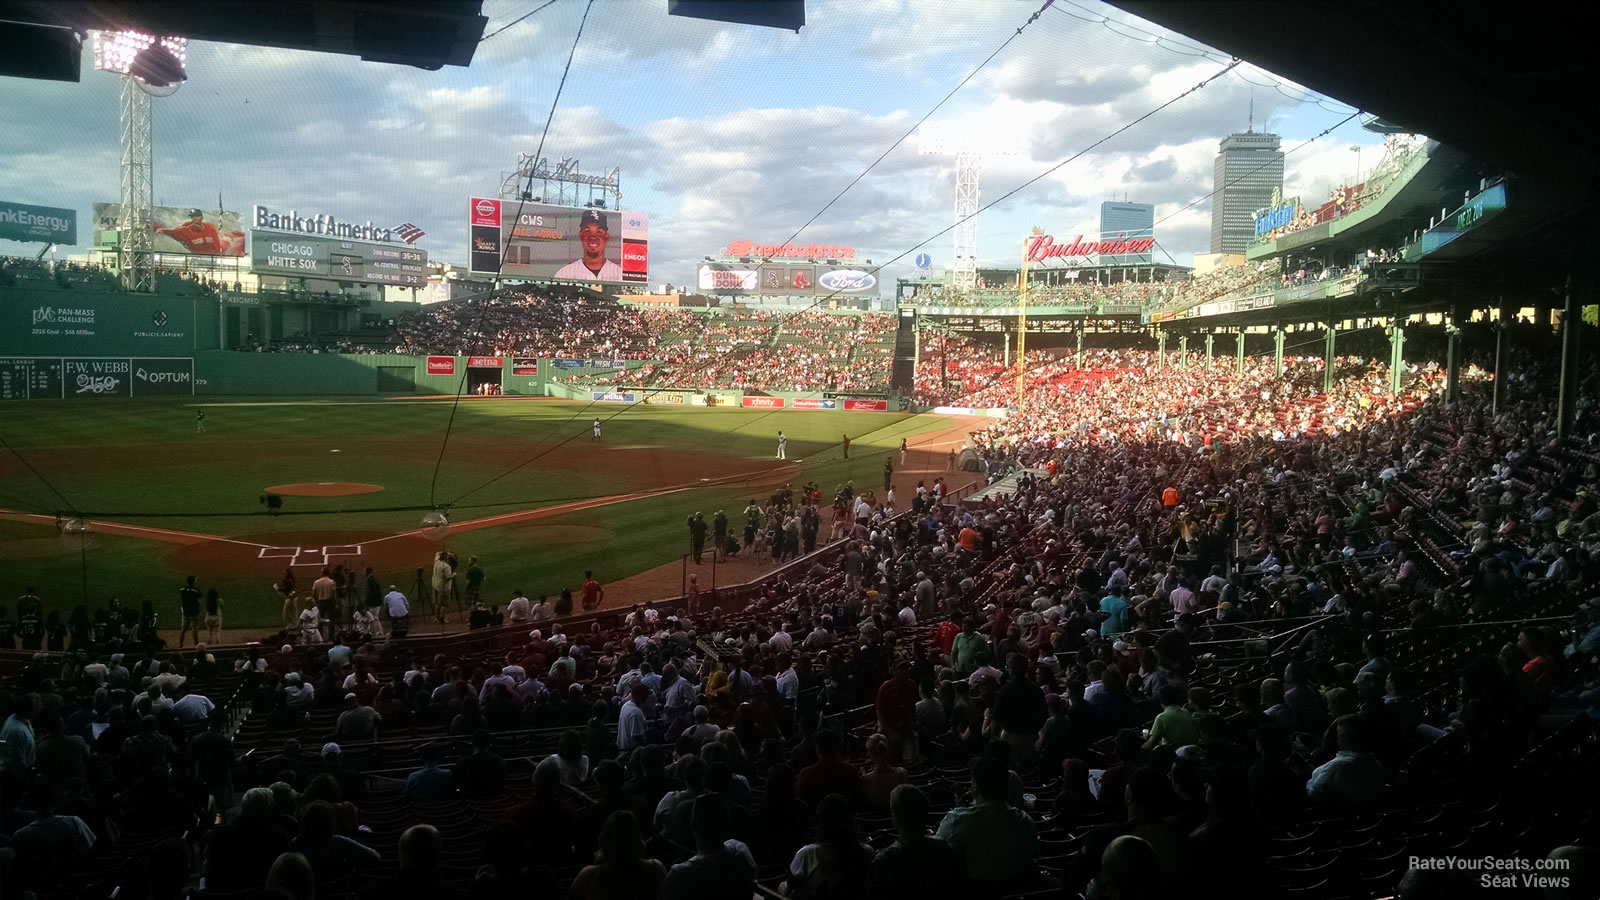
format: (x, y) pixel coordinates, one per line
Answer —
(1248, 169)
(1126, 220)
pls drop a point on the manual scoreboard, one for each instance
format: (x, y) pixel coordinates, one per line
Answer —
(335, 259)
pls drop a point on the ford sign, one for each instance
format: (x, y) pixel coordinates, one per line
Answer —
(848, 281)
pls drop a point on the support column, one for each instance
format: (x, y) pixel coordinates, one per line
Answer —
(1541, 313)
(1210, 339)
(1161, 350)
(1329, 340)
(1571, 325)
(1500, 349)
(1079, 362)
(1452, 364)
(1240, 350)
(1397, 355)
(1183, 351)
(1277, 341)
(1007, 341)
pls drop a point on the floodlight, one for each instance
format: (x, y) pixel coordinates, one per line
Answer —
(157, 62)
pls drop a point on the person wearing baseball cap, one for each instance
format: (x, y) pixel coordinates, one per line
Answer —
(593, 235)
(196, 235)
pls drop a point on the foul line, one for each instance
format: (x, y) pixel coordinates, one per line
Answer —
(172, 536)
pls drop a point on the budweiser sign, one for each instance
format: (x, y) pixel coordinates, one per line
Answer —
(441, 365)
(790, 251)
(1044, 246)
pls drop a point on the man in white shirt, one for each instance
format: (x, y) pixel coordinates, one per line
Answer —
(788, 679)
(311, 624)
(908, 616)
(324, 588)
(781, 642)
(399, 609)
(593, 234)
(677, 699)
(519, 610)
(631, 721)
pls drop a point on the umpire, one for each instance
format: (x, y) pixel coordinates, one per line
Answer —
(719, 535)
(697, 536)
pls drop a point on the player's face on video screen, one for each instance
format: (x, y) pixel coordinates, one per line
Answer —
(593, 238)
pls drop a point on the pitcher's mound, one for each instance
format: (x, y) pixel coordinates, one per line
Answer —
(324, 489)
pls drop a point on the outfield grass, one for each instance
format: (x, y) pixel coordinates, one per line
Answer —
(141, 463)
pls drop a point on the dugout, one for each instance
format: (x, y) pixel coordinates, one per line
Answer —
(970, 461)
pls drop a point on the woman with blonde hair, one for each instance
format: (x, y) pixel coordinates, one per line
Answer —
(880, 780)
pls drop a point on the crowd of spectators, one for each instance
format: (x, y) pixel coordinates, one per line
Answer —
(1356, 630)
(764, 350)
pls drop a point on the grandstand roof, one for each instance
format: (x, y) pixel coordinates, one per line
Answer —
(1507, 88)
(427, 34)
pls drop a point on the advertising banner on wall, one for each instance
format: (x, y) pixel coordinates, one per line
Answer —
(787, 279)
(615, 397)
(761, 402)
(867, 405)
(162, 376)
(558, 243)
(815, 403)
(200, 232)
(121, 325)
(97, 377)
(441, 365)
(485, 362)
(525, 366)
(38, 224)
(53, 378)
(727, 279)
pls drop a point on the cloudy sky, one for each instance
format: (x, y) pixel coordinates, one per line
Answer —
(722, 132)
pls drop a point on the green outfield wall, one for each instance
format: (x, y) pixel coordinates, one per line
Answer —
(87, 322)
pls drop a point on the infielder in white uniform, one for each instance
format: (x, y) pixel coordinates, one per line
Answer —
(596, 431)
(783, 446)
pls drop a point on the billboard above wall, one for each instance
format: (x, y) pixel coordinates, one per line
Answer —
(21, 222)
(558, 243)
(335, 259)
(779, 279)
(191, 230)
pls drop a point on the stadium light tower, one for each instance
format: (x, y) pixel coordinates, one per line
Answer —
(150, 66)
(970, 148)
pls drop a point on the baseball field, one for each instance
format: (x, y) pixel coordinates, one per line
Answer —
(526, 488)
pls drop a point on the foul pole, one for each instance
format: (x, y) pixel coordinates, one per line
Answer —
(1022, 324)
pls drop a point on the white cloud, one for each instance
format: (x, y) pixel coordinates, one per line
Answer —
(721, 131)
